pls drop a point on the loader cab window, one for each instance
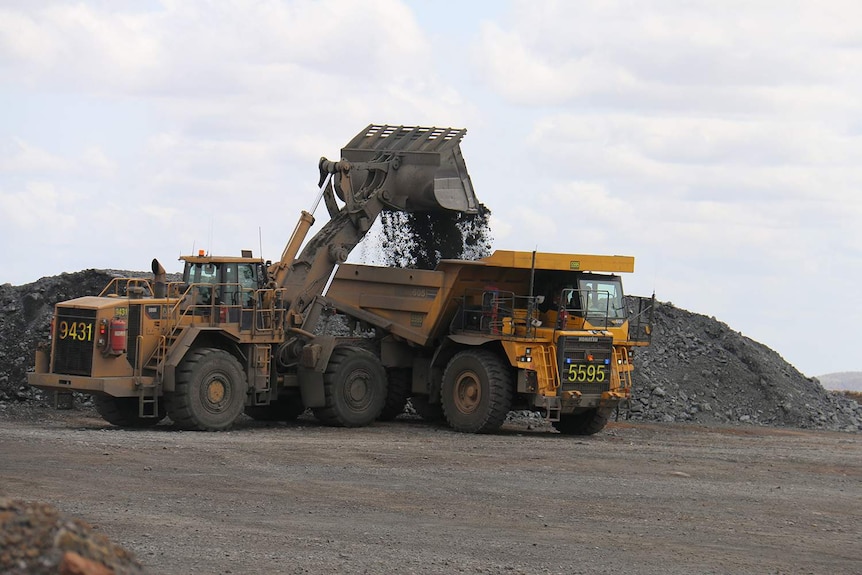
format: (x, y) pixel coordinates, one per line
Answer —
(237, 282)
(230, 290)
(246, 278)
(202, 274)
(241, 280)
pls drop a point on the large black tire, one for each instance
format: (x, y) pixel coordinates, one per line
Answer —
(587, 422)
(123, 411)
(355, 388)
(477, 391)
(210, 391)
(281, 410)
(397, 391)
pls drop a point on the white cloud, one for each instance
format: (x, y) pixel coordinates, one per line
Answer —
(770, 57)
(40, 206)
(19, 156)
(207, 49)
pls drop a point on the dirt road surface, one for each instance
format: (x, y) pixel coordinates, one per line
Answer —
(408, 497)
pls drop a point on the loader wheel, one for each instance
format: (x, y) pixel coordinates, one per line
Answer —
(588, 422)
(397, 390)
(476, 392)
(281, 410)
(123, 411)
(355, 388)
(210, 391)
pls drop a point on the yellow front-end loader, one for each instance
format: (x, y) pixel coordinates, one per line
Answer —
(238, 334)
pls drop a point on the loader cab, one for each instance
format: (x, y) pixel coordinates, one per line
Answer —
(228, 282)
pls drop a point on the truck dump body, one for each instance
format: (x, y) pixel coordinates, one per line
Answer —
(421, 304)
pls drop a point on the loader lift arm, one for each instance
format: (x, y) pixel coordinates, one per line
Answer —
(382, 168)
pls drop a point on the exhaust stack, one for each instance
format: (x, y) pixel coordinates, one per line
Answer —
(160, 281)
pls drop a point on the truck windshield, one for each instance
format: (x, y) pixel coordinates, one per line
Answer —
(601, 297)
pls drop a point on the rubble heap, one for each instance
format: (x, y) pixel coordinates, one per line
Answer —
(36, 539)
(25, 319)
(697, 369)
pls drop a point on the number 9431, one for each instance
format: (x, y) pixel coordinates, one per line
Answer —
(77, 330)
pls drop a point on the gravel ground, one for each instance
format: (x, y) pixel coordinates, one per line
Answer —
(744, 474)
(407, 497)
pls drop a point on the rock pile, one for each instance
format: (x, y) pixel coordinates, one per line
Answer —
(697, 369)
(35, 539)
(25, 318)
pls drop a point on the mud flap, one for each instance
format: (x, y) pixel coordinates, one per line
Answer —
(311, 387)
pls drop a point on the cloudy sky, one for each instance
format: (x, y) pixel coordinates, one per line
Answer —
(720, 143)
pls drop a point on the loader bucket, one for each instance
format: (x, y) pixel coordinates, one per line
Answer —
(423, 168)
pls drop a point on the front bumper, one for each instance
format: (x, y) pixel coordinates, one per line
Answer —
(572, 401)
(113, 386)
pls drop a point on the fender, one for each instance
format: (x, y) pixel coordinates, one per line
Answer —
(181, 347)
(471, 340)
(442, 352)
(312, 365)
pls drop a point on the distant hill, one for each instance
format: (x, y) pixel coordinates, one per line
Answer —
(845, 380)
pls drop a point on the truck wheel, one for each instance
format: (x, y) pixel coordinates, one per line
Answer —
(397, 390)
(588, 422)
(355, 388)
(123, 411)
(476, 392)
(210, 391)
(281, 410)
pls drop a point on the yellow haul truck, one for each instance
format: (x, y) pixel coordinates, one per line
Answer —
(473, 340)
(239, 334)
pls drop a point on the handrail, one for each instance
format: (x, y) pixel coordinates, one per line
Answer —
(123, 290)
(138, 368)
(497, 312)
(640, 320)
(553, 365)
(624, 376)
(591, 314)
(266, 314)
